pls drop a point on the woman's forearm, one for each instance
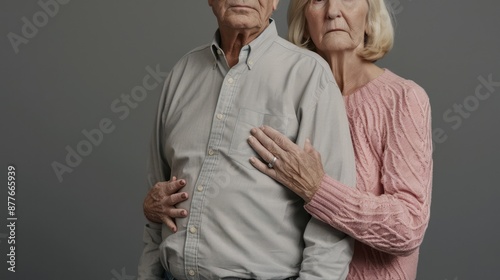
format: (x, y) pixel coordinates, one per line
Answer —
(393, 223)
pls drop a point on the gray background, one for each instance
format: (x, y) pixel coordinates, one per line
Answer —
(65, 78)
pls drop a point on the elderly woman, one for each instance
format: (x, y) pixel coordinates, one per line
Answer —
(388, 211)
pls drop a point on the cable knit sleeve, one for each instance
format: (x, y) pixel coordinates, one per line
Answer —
(395, 219)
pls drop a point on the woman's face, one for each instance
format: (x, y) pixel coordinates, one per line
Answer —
(337, 25)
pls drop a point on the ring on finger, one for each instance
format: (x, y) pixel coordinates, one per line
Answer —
(272, 162)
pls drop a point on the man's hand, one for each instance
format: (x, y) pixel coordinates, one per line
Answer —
(159, 204)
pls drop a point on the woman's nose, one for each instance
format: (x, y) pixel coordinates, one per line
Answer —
(333, 9)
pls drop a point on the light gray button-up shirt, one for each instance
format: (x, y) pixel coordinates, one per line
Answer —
(242, 223)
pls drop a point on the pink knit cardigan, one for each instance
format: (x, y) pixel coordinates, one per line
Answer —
(388, 211)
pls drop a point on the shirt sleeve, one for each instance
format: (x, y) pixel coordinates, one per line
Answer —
(394, 222)
(328, 251)
(150, 267)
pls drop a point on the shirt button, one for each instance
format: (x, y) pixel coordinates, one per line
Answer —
(191, 272)
(200, 188)
(219, 52)
(211, 152)
(230, 80)
(192, 230)
(250, 62)
(220, 116)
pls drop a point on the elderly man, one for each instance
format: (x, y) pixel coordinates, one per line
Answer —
(241, 223)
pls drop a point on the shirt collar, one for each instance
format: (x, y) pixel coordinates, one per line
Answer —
(254, 49)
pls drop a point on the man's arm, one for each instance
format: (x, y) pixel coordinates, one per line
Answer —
(328, 251)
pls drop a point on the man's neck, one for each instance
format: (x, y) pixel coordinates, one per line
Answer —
(233, 40)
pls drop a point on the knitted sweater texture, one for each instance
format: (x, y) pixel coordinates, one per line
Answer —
(387, 212)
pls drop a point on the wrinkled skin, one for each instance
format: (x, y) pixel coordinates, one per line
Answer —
(298, 169)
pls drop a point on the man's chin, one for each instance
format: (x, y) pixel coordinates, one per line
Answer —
(243, 22)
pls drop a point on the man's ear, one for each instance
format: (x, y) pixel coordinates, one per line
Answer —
(210, 3)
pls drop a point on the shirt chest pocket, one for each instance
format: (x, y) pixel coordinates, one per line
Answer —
(239, 149)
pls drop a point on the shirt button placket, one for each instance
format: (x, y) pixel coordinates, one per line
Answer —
(194, 226)
(193, 230)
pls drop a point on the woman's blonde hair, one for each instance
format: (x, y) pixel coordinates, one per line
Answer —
(379, 37)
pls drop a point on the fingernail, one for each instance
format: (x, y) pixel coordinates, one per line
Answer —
(184, 195)
(252, 160)
(183, 213)
(182, 182)
(253, 130)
